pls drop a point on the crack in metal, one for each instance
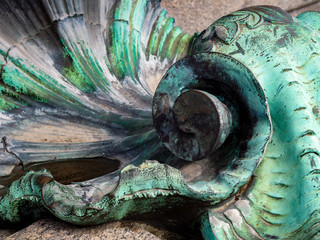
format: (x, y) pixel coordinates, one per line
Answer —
(5, 148)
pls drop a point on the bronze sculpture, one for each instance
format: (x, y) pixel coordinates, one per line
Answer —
(93, 66)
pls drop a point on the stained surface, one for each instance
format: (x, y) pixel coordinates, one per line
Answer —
(47, 229)
(196, 15)
(72, 85)
(282, 202)
(56, 80)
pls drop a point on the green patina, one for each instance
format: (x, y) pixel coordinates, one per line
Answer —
(76, 74)
(5, 105)
(78, 79)
(261, 63)
(15, 79)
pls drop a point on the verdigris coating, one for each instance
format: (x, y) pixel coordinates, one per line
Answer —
(227, 141)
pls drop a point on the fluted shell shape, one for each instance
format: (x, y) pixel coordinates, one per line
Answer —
(79, 81)
(68, 67)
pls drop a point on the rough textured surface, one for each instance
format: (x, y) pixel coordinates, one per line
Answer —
(315, 6)
(191, 16)
(6, 232)
(50, 229)
(196, 15)
(132, 37)
(281, 202)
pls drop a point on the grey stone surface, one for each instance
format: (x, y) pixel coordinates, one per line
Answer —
(49, 229)
(6, 232)
(310, 7)
(196, 15)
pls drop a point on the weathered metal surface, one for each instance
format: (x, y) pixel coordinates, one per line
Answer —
(77, 84)
(283, 53)
(202, 116)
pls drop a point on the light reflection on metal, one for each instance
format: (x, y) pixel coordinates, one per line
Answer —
(80, 83)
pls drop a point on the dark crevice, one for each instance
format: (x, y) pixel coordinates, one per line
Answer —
(5, 57)
(5, 147)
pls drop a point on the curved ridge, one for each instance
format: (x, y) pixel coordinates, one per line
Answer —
(65, 66)
(286, 180)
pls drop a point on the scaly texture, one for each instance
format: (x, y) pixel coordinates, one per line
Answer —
(283, 53)
(94, 66)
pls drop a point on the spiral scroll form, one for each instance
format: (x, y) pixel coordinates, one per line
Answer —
(210, 107)
(201, 125)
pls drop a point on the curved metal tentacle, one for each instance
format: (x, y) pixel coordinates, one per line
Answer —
(285, 62)
(87, 71)
(232, 164)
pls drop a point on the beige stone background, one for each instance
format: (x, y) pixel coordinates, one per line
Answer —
(192, 16)
(196, 15)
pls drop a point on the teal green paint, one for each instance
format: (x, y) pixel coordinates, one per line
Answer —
(164, 39)
(11, 203)
(30, 80)
(96, 69)
(135, 47)
(10, 100)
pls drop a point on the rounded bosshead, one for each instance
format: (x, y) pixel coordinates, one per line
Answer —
(209, 106)
(197, 113)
